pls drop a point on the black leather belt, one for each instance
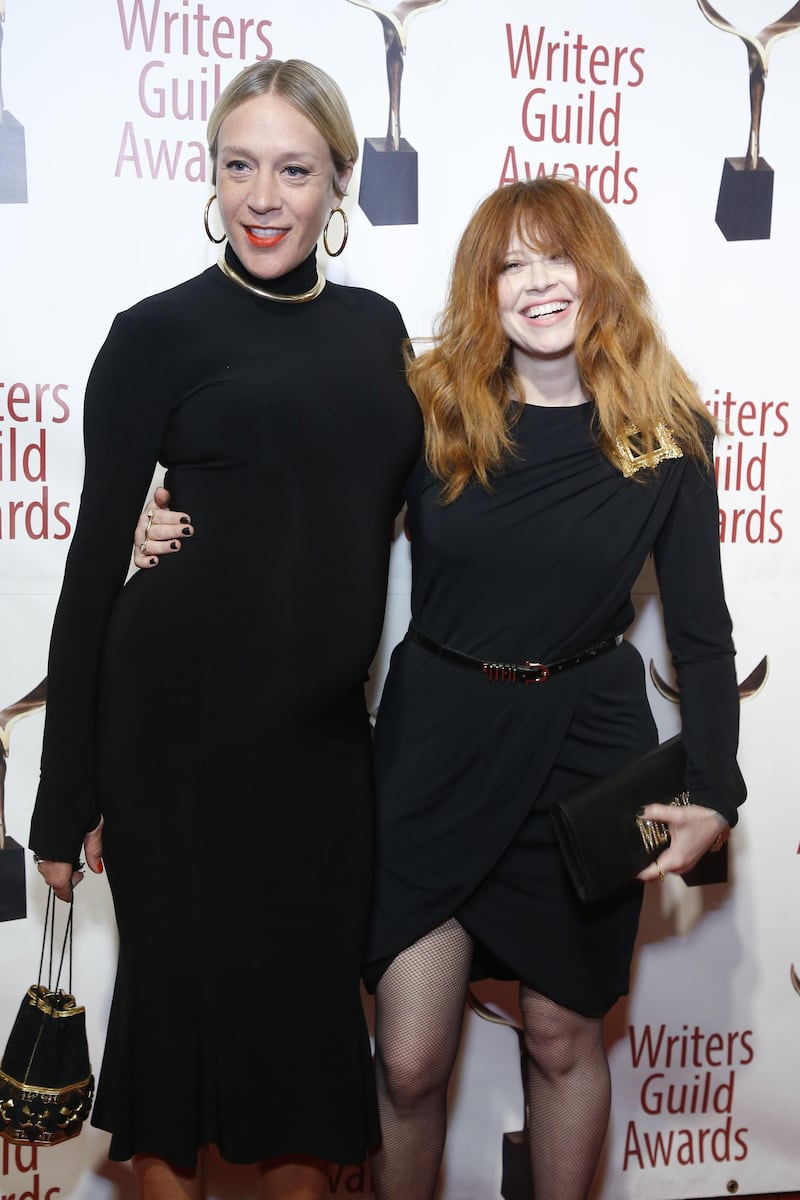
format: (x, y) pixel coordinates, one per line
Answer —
(529, 672)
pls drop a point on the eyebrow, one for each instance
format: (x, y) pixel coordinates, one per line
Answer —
(248, 152)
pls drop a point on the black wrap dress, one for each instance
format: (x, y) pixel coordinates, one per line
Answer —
(213, 709)
(538, 569)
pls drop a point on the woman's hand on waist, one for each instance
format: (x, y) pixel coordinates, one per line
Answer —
(159, 531)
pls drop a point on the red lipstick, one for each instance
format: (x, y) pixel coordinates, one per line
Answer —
(266, 242)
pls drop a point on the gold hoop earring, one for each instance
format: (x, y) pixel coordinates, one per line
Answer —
(206, 211)
(345, 232)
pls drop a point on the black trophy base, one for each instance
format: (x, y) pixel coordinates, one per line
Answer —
(744, 208)
(388, 192)
(13, 904)
(517, 1180)
(13, 174)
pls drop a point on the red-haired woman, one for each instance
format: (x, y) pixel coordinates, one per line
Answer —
(564, 443)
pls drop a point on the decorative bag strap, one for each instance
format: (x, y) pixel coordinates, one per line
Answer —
(48, 943)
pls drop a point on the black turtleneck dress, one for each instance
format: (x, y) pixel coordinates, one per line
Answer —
(212, 710)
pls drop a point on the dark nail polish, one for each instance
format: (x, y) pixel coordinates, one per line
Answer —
(640, 812)
(186, 533)
(185, 521)
(173, 545)
(153, 562)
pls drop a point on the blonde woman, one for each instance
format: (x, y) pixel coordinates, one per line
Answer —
(238, 841)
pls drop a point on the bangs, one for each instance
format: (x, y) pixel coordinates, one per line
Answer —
(557, 218)
(542, 237)
(536, 232)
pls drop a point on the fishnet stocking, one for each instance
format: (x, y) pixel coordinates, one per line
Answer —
(419, 1010)
(568, 1093)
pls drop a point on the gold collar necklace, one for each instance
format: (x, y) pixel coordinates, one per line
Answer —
(298, 298)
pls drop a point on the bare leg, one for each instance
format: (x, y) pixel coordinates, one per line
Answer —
(292, 1179)
(419, 1012)
(156, 1179)
(568, 1095)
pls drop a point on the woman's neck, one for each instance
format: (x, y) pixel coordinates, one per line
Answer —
(297, 284)
(551, 382)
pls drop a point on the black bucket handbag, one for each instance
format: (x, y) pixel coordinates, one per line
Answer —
(46, 1081)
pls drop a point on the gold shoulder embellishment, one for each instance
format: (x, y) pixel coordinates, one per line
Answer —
(630, 462)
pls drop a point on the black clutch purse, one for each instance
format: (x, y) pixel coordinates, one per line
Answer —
(605, 844)
(46, 1082)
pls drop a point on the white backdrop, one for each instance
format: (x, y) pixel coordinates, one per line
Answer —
(645, 102)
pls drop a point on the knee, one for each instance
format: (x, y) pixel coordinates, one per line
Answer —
(410, 1073)
(555, 1048)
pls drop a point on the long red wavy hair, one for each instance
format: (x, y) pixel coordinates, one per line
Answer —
(465, 382)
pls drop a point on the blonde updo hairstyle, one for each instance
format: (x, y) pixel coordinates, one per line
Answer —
(308, 89)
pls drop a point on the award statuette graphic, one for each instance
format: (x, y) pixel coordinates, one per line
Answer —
(517, 1182)
(388, 191)
(12, 855)
(13, 175)
(744, 207)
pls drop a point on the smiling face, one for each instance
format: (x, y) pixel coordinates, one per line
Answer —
(538, 298)
(275, 184)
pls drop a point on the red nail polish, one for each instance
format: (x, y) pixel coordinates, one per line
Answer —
(100, 867)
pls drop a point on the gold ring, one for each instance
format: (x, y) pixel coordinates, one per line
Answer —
(660, 874)
(143, 545)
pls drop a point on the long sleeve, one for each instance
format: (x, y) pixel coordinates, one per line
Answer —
(125, 416)
(699, 635)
